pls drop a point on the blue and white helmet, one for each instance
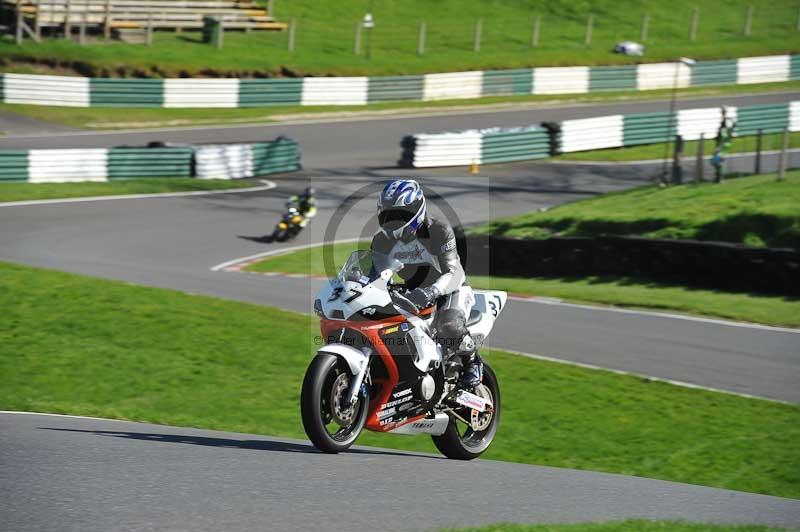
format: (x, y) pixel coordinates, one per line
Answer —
(401, 208)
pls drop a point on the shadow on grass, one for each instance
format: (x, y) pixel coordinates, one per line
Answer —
(258, 445)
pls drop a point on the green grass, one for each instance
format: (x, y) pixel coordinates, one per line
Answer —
(608, 290)
(324, 43)
(41, 191)
(756, 210)
(624, 526)
(78, 345)
(132, 118)
(656, 151)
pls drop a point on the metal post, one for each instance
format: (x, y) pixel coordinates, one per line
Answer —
(748, 20)
(271, 8)
(148, 35)
(718, 168)
(693, 28)
(670, 119)
(221, 32)
(357, 39)
(107, 25)
(19, 35)
(759, 140)
(784, 153)
(698, 165)
(535, 35)
(82, 30)
(645, 27)
(677, 170)
(67, 24)
(37, 27)
(421, 39)
(478, 27)
(589, 24)
(292, 30)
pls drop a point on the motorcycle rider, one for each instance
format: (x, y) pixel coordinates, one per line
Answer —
(432, 269)
(305, 203)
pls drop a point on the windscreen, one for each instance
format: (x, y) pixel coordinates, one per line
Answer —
(364, 264)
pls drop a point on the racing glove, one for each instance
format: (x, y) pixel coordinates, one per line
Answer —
(423, 297)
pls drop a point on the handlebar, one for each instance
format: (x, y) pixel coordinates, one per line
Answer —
(402, 301)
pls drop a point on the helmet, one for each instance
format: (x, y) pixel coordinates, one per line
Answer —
(309, 191)
(401, 208)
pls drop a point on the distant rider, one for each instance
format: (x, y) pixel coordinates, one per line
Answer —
(305, 203)
(432, 268)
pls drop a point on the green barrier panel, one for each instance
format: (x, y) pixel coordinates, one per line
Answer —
(263, 92)
(394, 88)
(282, 155)
(612, 78)
(714, 72)
(520, 145)
(126, 163)
(13, 165)
(770, 118)
(794, 67)
(507, 82)
(646, 128)
(105, 92)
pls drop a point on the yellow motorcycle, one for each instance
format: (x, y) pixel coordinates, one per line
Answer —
(290, 225)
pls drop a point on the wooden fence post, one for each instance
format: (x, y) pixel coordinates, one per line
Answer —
(478, 28)
(535, 35)
(271, 8)
(589, 24)
(645, 27)
(748, 21)
(221, 32)
(759, 141)
(148, 32)
(20, 21)
(82, 30)
(698, 165)
(107, 23)
(67, 23)
(421, 39)
(693, 27)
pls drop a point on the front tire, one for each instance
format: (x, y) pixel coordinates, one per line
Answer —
(460, 441)
(331, 425)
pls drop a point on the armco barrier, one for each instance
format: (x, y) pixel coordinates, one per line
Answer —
(697, 263)
(517, 144)
(104, 164)
(493, 145)
(231, 92)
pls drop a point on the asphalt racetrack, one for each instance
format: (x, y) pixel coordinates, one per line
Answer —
(61, 473)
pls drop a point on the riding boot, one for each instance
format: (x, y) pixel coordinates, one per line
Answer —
(472, 374)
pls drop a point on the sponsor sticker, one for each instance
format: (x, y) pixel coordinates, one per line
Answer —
(472, 401)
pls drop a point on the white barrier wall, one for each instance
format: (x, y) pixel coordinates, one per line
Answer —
(201, 92)
(592, 133)
(763, 69)
(561, 80)
(662, 76)
(694, 122)
(335, 91)
(453, 86)
(65, 166)
(224, 161)
(794, 116)
(67, 91)
(448, 149)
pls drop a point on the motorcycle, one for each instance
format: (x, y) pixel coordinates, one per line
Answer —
(290, 225)
(381, 368)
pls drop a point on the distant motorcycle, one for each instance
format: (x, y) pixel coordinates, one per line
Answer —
(289, 226)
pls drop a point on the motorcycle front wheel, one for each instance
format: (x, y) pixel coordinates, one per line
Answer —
(330, 421)
(466, 441)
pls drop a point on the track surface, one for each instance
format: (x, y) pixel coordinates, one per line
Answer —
(64, 474)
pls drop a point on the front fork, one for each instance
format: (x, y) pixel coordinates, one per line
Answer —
(358, 380)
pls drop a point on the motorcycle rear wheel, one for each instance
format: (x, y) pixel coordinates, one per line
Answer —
(460, 441)
(327, 380)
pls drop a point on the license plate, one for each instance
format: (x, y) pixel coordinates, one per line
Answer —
(475, 402)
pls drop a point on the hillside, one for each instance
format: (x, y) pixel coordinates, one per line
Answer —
(325, 35)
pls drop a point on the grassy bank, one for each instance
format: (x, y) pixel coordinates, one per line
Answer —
(625, 526)
(757, 211)
(325, 35)
(42, 191)
(656, 151)
(78, 345)
(133, 118)
(619, 291)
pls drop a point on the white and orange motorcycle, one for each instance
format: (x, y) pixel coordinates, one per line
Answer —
(382, 369)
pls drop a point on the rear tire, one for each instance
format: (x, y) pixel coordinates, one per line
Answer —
(470, 444)
(317, 411)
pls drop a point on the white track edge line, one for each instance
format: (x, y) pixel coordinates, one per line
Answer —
(681, 384)
(281, 251)
(267, 185)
